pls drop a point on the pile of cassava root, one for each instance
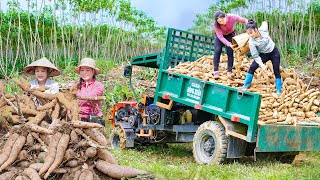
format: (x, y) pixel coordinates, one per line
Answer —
(298, 103)
(50, 142)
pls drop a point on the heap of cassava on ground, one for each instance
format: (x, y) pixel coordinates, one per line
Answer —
(298, 103)
(50, 141)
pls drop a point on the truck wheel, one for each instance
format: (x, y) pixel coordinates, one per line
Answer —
(210, 143)
(117, 138)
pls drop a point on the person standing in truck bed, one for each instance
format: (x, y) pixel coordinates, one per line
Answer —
(224, 31)
(262, 49)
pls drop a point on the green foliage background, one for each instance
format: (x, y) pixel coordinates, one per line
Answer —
(66, 31)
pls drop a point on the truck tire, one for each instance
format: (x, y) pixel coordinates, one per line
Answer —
(117, 138)
(210, 143)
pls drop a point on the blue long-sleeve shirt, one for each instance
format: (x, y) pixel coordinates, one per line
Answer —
(263, 44)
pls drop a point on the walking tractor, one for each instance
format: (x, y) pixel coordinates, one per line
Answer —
(220, 121)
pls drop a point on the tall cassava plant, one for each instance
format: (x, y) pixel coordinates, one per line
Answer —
(65, 31)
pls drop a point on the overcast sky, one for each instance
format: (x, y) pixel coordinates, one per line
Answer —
(173, 13)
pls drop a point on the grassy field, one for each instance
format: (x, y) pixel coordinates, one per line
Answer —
(176, 162)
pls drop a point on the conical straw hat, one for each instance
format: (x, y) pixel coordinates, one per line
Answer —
(43, 62)
(89, 62)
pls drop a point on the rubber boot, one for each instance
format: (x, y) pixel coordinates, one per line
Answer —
(247, 81)
(278, 85)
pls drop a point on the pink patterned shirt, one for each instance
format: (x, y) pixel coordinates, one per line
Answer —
(228, 27)
(88, 107)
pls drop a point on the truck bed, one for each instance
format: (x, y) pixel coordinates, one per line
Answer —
(214, 98)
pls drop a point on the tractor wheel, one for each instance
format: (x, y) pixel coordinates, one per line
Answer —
(210, 143)
(117, 138)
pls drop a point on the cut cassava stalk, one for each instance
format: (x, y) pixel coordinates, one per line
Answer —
(9, 102)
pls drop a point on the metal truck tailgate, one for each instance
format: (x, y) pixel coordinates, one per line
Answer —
(280, 138)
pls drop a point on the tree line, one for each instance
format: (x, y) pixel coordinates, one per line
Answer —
(67, 30)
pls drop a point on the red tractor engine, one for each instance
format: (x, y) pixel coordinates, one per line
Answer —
(121, 110)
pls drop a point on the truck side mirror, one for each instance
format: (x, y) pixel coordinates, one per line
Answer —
(127, 71)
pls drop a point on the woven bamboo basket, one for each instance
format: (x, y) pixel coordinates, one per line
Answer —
(244, 49)
(240, 40)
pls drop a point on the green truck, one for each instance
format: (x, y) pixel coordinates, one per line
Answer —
(219, 120)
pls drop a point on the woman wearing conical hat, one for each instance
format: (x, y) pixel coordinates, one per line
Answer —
(42, 69)
(90, 110)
